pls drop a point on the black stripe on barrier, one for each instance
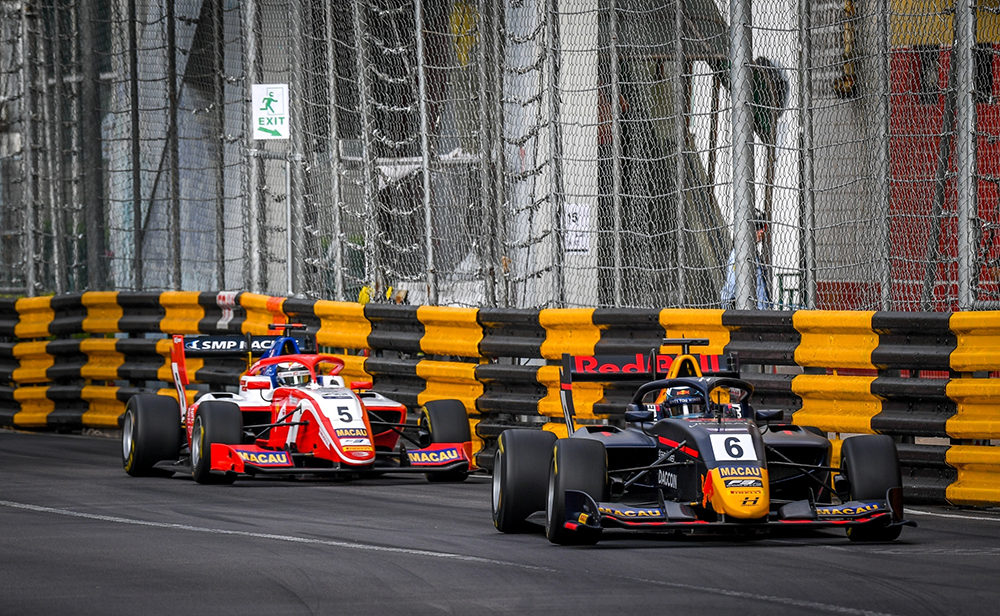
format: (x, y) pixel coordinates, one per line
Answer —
(8, 316)
(8, 363)
(223, 313)
(141, 312)
(507, 389)
(509, 332)
(68, 360)
(926, 475)
(625, 331)
(912, 407)
(69, 313)
(396, 379)
(761, 337)
(8, 406)
(394, 328)
(913, 340)
(303, 311)
(140, 362)
(773, 391)
(69, 406)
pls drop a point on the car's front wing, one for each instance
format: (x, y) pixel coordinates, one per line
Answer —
(584, 514)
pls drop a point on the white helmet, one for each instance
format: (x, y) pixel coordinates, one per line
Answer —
(290, 378)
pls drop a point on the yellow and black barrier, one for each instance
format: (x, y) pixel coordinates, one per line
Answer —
(72, 361)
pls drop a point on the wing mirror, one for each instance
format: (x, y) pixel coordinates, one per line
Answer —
(636, 414)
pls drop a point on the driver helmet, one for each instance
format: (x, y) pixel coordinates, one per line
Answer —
(290, 377)
(684, 402)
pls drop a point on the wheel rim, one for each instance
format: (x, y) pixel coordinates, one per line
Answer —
(197, 436)
(497, 470)
(127, 434)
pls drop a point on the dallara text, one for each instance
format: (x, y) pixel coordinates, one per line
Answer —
(693, 455)
(292, 416)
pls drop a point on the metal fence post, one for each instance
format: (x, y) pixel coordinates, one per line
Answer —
(680, 137)
(807, 205)
(743, 165)
(425, 155)
(220, 125)
(337, 245)
(174, 149)
(133, 62)
(487, 265)
(884, 169)
(30, 194)
(254, 229)
(556, 193)
(297, 222)
(57, 177)
(965, 153)
(616, 157)
(371, 225)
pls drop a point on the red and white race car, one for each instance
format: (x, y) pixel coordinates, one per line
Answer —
(292, 416)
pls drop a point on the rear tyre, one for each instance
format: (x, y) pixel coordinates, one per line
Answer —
(520, 478)
(151, 432)
(871, 465)
(215, 422)
(577, 464)
(445, 421)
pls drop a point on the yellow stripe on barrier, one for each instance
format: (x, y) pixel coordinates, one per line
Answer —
(585, 395)
(836, 403)
(103, 361)
(978, 482)
(342, 325)
(35, 407)
(834, 339)
(682, 323)
(450, 331)
(447, 380)
(976, 408)
(978, 337)
(34, 316)
(34, 362)
(262, 310)
(568, 330)
(103, 406)
(182, 312)
(103, 312)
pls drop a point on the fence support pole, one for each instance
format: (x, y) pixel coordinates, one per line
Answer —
(743, 165)
(133, 62)
(57, 177)
(680, 138)
(251, 68)
(487, 263)
(297, 127)
(336, 245)
(425, 156)
(616, 157)
(30, 194)
(371, 226)
(807, 199)
(965, 154)
(500, 237)
(883, 170)
(174, 148)
(556, 192)
(219, 69)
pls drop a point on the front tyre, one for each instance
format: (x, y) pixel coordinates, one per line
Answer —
(151, 432)
(577, 464)
(871, 465)
(520, 477)
(214, 422)
(445, 421)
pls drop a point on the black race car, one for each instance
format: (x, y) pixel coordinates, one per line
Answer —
(693, 455)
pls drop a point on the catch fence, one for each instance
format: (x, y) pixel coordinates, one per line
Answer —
(509, 154)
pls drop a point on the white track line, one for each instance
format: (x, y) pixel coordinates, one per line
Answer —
(289, 538)
(910, 510)
(444, 555)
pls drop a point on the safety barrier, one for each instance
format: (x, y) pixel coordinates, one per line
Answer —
(72, 361)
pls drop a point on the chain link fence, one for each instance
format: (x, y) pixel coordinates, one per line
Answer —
(834, 154)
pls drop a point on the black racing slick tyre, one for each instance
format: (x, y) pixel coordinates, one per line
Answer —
(214, 422)
(520, 478)
(445, 421)
(577, 464)
(151, 432)
(871, 465)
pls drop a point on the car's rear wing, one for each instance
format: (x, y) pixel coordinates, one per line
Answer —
(639, 368)
(227, 346)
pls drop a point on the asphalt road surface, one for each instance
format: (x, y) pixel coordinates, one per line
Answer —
(79, 536)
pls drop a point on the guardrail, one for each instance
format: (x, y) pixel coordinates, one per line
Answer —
(72, 361)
